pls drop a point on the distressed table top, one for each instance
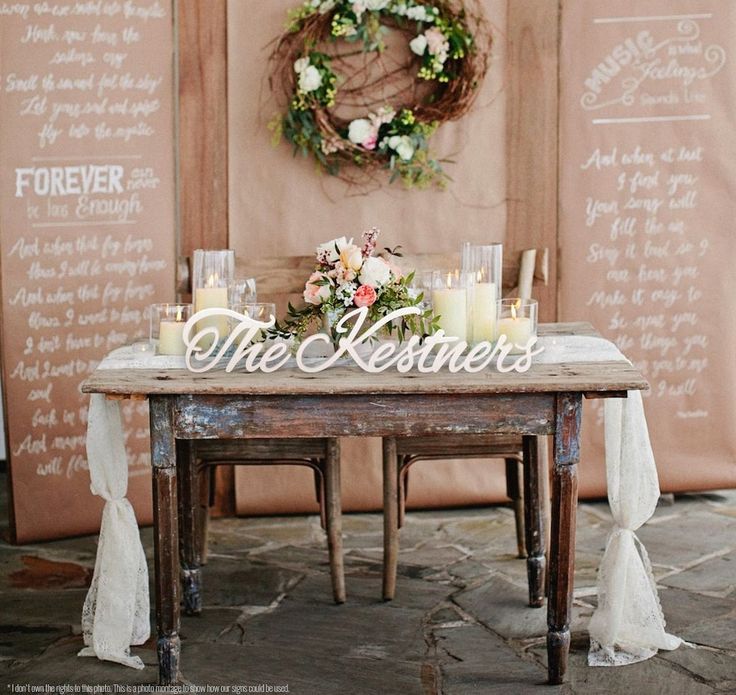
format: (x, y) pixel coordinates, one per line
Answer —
(589, 377)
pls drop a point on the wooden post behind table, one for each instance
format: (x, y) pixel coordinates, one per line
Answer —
(545, 400)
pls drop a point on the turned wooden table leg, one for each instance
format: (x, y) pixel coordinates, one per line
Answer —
(190, 536)
(333, 513)
(534, 518)
(165, 538)
(562, 550)
(390, 517)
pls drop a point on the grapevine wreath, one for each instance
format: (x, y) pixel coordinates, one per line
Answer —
(315, 78)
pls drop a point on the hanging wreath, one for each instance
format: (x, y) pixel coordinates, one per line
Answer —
(315, 78)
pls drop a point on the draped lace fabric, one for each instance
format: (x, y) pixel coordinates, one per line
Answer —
(116, 610)
(628, 625)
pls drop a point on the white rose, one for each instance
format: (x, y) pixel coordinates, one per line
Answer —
(300, 65)
(418, 13)
(351, 257)
(419, 44)
(310, 79)
(375, 272)
(403, 146)
(359, 130)
(331, 250)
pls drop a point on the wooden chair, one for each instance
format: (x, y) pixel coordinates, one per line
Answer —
(525, 457)
(278, 279)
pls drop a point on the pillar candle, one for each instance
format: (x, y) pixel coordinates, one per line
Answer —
(170, 338)
(211, 298)
(451, 305)
(484, 311)
(518, 331)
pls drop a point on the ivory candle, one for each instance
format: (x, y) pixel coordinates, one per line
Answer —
(211, 297)
(171, 338)
(484, 311)
(517, 330)
(451, 305)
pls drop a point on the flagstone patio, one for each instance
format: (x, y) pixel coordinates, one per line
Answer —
(459, 623)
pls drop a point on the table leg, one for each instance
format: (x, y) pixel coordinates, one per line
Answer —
(190, 536)
(165, 538)
(333, 514)
(390, 517)
(534, 517)
(562, 550)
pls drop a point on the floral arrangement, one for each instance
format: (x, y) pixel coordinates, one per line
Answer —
(348, 276)
(450, 46)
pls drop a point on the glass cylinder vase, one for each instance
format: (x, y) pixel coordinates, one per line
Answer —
(517, 321)
(212, 274)
(485, 264)
(167, 327)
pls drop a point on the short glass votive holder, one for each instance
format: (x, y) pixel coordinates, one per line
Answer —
(517, 321)
(485, 264)
(242, 291)
(167, 327)
(451, 302)
(259, 311)
(421, 284)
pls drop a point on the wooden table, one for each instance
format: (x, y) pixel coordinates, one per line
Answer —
(348, 402)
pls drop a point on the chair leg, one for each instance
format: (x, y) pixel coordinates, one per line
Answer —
(390, 517)
(206, 486)
(514, 476)
(333, 515)
(535, 468)
(189, 548)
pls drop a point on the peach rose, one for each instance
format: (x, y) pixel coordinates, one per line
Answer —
(313, 293)
(365, 295)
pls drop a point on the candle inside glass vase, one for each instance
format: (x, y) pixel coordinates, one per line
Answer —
(213, 273)
(485, 263)
(451, 302)
(167, 326)
(517, 321)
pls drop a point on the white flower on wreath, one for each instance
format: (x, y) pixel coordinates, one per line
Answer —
(301, 65)
(326, 6)
(363, 132)
(437, 44)
(358, 7)
(418, 44)
(375, 272)
(329, 252)
(402, 145)
(375, 5)
(310, 79)
(418, 13)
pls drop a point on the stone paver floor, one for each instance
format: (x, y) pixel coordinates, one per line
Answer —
(459, 623)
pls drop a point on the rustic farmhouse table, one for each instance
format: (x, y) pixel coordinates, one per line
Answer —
(343, 401)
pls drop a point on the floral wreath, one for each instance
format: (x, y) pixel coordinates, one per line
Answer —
(449, 42)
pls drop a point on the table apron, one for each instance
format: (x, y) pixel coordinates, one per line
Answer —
(243, 417)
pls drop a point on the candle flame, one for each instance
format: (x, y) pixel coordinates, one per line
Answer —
(449, 279)
(212, 280)
(178, 313)
(514, 307)
(480, 275)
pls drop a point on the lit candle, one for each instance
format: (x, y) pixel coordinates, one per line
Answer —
(451, 305)
(171, 336)
(484, 310)
(211, 297)
(517, 329)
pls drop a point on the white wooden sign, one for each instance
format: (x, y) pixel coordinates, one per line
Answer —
(435, 352)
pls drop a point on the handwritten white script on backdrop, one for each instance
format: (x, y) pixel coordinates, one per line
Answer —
(429, 355)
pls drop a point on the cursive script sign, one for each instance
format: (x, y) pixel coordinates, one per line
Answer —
(427, 355)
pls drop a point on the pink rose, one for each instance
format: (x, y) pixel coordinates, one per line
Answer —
(365, 295)
(313, 293)
(370, 142)
(435, 40)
